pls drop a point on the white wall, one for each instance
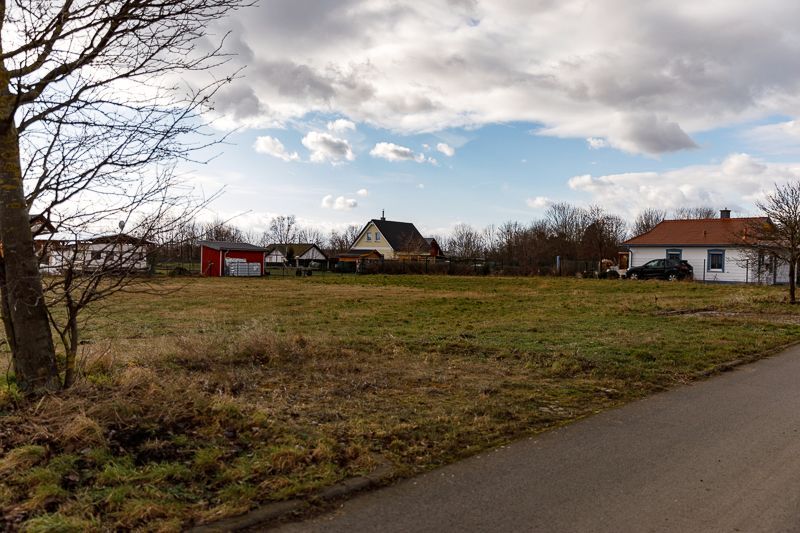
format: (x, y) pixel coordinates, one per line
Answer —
(275, 257)
(737, 268)
(95, 256)
(313, 254)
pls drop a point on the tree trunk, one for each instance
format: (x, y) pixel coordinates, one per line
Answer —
(6, 311)
(71, 349)
(33, 352)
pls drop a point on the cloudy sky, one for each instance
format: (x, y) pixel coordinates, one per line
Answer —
(478, 111)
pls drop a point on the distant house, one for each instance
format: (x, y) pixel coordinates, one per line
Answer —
(391, 240)
(222, 258)
(113, 252)
(717, 249)
(302, 254)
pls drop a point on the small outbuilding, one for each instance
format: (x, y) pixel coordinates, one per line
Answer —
(222, 258)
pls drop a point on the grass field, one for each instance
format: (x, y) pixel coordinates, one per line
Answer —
(226, 393)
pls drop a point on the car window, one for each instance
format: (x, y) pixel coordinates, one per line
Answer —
(652, 264)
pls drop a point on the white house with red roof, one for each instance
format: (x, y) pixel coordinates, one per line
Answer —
(717, 248)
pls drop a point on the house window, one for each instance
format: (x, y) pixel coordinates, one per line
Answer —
(97, 255)
(377, 235)
(369, 236)
(674, 253)
(716, 261)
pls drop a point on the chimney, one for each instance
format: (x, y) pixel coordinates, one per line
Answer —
(725, 213)
(383, 214)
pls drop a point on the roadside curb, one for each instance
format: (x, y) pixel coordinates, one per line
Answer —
(271, 512)
(731, 365)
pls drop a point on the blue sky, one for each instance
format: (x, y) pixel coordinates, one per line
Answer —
(343, 105)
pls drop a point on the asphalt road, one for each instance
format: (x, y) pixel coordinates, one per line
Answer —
(721, 455)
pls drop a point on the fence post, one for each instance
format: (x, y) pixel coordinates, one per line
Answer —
(704, 270)
(747, 271)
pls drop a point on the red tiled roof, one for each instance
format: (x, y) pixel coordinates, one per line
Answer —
(701, 232)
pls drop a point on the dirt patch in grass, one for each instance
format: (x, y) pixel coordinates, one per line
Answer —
(207, 402)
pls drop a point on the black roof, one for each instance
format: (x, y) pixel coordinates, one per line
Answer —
(235, 246)
(402, 236)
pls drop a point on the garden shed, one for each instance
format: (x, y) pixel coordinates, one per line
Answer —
(222, 258)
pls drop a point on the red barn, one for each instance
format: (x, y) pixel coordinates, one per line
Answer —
(220, 258)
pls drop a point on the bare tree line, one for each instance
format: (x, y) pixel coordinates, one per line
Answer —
(566, 230)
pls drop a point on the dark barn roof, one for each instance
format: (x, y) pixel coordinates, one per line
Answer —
(298, 249)
(232, 246)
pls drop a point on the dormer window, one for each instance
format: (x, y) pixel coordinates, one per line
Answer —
(369, 236)
(377, 235)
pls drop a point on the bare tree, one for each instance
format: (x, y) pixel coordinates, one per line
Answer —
(86, 105)
(602, 234)
(339, 242)
(648, 219)
(465, 242)
(219, 230)
(566, 224)
(698, 212)
(778, 237)
(89, 269)
(311, 235)
(282, 230)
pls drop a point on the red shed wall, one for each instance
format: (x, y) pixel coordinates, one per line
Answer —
(210, 262)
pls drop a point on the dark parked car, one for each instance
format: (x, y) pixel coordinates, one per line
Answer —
(671, 269)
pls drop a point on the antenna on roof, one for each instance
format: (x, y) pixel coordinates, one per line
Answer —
(383, 214)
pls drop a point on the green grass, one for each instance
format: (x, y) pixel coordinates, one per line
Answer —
(227, 393)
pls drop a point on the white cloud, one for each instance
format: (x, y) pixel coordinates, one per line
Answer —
(362, 192)
(325, 147)
(340, 203)
(341, 125)
(272, 146)
(777, 138)
(539, 202)
(737, 182)
(396, 152)
(742, 165)
(392, 152)
(612, 70)
(446, 149)
(595, 143)
(420, 186)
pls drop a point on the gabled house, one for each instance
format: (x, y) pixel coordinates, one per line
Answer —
(718, 249)
(390, 240)
(112, 252)
(300, 254)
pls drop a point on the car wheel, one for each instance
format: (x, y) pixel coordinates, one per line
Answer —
(633, 276)
(673, 277)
